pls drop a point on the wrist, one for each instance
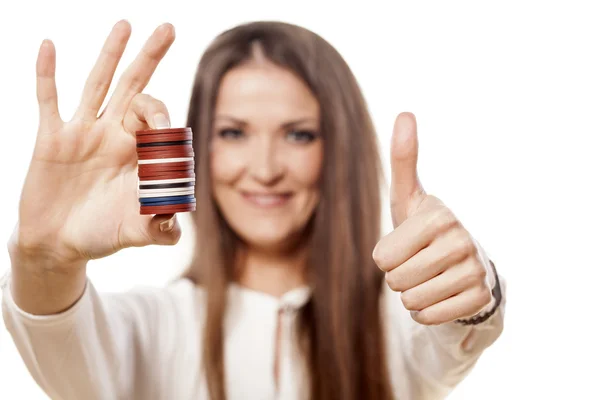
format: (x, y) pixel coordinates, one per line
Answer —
(44, 285)
(35, 256)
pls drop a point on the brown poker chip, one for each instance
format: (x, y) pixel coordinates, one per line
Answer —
(164, 148)
(168, 209)
(166, 154)
(162, 167)
(187, 173)
(167, 137)
(164, 171)
(162, 131)
(148, 155)
(164, 177)
(167, 175)
(169, 165)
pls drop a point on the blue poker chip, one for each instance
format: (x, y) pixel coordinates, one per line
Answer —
(167, 203)
(167, 200)
(159, 200)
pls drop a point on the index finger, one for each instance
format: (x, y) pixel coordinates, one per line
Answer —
(138, 74)
(412, 236)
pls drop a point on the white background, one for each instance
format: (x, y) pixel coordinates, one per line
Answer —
(507, 99)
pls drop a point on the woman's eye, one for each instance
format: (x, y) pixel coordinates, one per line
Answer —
(230, 133)
(301, 136)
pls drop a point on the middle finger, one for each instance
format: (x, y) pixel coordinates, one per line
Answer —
(138, 74)
(103, 72)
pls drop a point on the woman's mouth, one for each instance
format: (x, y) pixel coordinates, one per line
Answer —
(267, 200)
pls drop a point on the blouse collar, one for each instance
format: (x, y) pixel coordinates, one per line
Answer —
(292, 300)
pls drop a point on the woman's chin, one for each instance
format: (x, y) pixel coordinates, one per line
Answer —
(269, 239)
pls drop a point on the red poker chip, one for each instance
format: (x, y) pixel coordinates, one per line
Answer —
(163, 171)
(163, 167)
(163, 156)
(189, 172)
(167, 137)
(166, 154)
(165, 148)
(162, 131)
(169, 209)
(166, 175)
(146, 154)
(169, 165)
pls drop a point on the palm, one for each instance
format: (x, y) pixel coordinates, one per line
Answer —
(80, 189)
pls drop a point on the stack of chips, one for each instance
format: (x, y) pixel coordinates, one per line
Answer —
(166, 171)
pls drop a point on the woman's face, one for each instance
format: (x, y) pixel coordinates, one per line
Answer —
(267, 154)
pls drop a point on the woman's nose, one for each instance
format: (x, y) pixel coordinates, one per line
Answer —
(265, 165)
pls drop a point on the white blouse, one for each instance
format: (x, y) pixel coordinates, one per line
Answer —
(145, 344)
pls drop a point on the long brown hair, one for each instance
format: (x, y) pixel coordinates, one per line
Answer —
(341, 324)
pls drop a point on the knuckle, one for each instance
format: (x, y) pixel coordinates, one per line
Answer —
(484, 295)
(410, 301)
(136, 82)
(441, 218)
(476, 276)
(139, 99)
(378, 256)
(150, 55)
(392, 282)
(480, 272)
(159, 105)
(425, 318)
(100, 86)
(472, 280)
(464, 244)
(146, 105)
(446, 217)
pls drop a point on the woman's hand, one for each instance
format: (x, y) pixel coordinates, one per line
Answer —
(79, 199)
(429, 257)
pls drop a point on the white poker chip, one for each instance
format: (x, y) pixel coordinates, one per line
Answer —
(152, 195)
(164, 160)
(166, 181)
(168, 190)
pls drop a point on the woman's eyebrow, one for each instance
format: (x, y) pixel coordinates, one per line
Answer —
(229, 118)
(286, 125)
(299, 121)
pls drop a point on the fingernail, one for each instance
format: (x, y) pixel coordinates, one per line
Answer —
(167, 226)
(161, 121)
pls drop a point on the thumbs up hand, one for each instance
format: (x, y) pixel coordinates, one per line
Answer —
(429, 256)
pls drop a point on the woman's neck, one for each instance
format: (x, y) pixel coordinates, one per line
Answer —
(274, 273)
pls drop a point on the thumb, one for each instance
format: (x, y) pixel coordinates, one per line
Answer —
(406, 190)
(164, 229)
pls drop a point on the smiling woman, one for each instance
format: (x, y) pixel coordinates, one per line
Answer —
(291, 292)
(266, 154)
